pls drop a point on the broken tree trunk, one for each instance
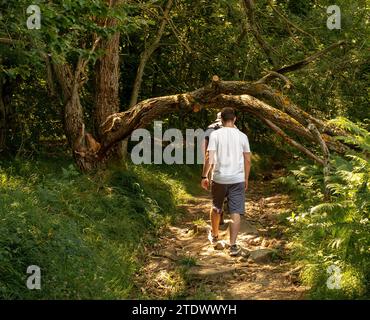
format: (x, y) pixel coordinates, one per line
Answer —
(294, 143)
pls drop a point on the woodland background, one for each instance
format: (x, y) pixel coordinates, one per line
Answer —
(72, 92)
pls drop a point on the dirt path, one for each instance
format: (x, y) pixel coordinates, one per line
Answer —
(184, 264)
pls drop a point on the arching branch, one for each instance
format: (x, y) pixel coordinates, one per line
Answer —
(218, 94)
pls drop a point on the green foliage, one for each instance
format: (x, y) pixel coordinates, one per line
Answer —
(84, 231)
(357, 136)
(335, 231)
(202, 38)
(98, 218)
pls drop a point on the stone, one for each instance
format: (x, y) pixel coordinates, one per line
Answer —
(261, 255)
(265, 243)
(256, 241)
(210, 271)
(247, 228)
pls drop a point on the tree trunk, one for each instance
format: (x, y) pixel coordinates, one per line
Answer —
(7, 88)
(107, 91)
(84, 147)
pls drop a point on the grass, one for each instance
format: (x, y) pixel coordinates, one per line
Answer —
(85, 232)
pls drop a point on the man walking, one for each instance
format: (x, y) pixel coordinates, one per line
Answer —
(217, 124)
(229, 156)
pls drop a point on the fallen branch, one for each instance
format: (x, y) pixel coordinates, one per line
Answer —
(293, 143)
(300, 64)
(236, 94)
(306, 61)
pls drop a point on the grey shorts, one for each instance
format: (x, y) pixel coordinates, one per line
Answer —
(235, 194)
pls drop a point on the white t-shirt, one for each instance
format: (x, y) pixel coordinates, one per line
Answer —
(229, 145)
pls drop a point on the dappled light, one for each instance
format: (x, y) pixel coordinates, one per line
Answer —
(177, 149)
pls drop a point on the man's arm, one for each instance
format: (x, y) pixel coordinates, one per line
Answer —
(247, 167)
(206, 168)
(208, 161)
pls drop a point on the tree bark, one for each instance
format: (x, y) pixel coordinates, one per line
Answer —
(107, 82)
(107, 73)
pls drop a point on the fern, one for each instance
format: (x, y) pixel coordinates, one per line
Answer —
(336, 231)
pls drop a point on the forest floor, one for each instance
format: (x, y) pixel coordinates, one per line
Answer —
(184, 264)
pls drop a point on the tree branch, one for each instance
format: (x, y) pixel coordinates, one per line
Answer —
(293, 143)
(218, 94)
(300, 64)
(249, 10)
(274, 74)
(287, 21)
(147, 54)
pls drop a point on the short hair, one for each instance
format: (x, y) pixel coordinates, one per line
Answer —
(227, 114)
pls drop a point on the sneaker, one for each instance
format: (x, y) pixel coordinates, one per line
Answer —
(213, 239)
(234, 250)
(215, 242)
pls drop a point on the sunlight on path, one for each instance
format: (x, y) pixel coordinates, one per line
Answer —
(185, 265)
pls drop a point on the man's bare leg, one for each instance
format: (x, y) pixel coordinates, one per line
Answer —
(234, 227)
(215, 221)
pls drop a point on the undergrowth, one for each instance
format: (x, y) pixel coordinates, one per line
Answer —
(85, 232)
(331, 234)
